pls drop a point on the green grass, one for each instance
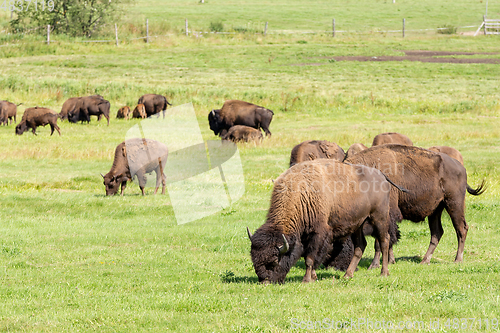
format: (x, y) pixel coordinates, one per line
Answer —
(72, 259)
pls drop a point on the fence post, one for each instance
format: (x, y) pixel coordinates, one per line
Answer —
(48, 34)
(147, 30)
(265, 29)
(116, 34)
(484, 22)
(333, 28)
(187, 33)
(404, 24)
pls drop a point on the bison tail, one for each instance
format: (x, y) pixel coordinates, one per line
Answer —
(402, 189)
(19, 104)
(479, 190)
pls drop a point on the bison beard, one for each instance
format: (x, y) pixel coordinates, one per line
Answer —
(308, 211)
(435, 182)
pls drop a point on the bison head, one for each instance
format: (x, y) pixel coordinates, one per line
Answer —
(215, 121)
(112, 183)
(272, 255)
(21, 128)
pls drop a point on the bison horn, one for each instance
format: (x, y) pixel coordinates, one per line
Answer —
(102, 175)
(249, 234)
(285, 247)
(213, 112)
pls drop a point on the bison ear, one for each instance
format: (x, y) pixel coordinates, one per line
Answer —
(285, 247)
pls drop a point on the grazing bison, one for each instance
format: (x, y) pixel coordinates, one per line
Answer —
(154, 104)
(70, 104)
(313, 149)
(313, 203)
(435, 182)
(139, 112)
(354, 149)
(243, 133)
(387, 138)
(8, 111)
(239, 113)
(136, 157)
(89, 106)
(124, 113)
(34, 117)
(452, 152)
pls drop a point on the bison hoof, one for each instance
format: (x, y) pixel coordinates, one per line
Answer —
(374, 265)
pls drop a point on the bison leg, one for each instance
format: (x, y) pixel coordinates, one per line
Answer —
(141, 177)
(160, 176)
(310, 272)
(359, 242)
(376, 258)
(437, 231)
(456, 212)
(123, 185)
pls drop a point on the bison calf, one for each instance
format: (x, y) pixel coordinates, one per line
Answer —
(145, 156)
(241, 133)
(8, 111)
(139, 112)
(313, 203)
(314, 149)
(34, 117)
(123, 113)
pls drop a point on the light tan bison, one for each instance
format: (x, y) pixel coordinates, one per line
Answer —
(241, 133)
(354, 149)
(139, 112)
(124, 113)
(314, 149)
(452, 152)
(387, 138)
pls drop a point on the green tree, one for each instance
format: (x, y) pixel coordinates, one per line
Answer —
(71, 17)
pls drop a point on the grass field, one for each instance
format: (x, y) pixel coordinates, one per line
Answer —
(72, 259)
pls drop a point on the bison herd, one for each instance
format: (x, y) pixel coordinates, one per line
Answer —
(323, 206)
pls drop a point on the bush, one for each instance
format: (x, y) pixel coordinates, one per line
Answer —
(216, 26)
(447, 30)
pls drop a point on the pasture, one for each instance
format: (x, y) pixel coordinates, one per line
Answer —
(72, 259)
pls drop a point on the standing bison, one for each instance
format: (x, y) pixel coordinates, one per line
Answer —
(388, 138)
(241, 133)
(435, 182)
(154, 104)
(34, 117)
(84, 107)
(124, 113)
(239, 113)
(8, 111)
(70, 105)
(314, 203)
(139, 112)
(452, 152)
(136, 157)
(314, 149)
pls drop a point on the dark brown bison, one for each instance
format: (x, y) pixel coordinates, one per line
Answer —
(34, 117)
(387, 138)
(70, 104)
(435, 182)
(8, 111)
(313, 203)
(124, 113)
(154, 104)
(139, 112)
(89, 106)
(241, 133)
(136, 157)
(452, 152)
(235, 112)
(313, 149)
(354, 149)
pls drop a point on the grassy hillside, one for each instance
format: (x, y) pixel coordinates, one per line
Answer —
(75, 260)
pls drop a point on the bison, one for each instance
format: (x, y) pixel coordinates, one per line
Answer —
(124, 113)
(88, 106)
(70, 105)
(154, 104)
(313, 203)
(235, 112)
(386, 138)
(34, 117)
(354, 149)
(314, 149)
(435, 182)
(243, 133)
(452, 152)
(8, 111)
(145, 156)
(139, 112)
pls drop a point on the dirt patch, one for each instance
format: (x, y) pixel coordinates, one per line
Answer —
(419, 55)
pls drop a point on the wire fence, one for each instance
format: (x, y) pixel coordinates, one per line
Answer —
(200, 33)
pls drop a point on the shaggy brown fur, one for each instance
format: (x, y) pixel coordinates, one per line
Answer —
(34, 117)
(87, 106)
(241, 133)
(452, 152)
(435, 182)
(313, 203)
(313, 149)
(236, 112)
(354, 149)
(387, 138)
(146, 156)
(70, 105)
(8, 111)
(154, 104)
(124, 113)
(139, 112)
